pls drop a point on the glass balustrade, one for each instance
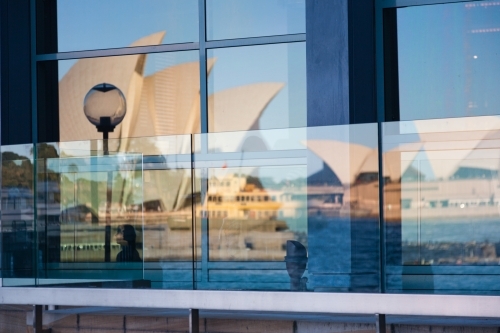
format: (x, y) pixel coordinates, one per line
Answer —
(293, 209)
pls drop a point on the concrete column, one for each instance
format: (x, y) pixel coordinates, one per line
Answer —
(343, 251)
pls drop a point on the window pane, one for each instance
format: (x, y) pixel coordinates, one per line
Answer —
(448, 67)
(161, 92)
(84, 205)
(280, 210)
(228, 19)
(18, 223)
(96, 24)
(257, 87)
(442, 204)
(149, 195)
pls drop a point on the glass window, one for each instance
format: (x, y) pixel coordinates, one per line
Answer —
(257, 87)
(18, 221)
(146, 199)
(300, 203)
(442, 205)
(229, 19)
(95, 24)
(161, 92)
(449, 66)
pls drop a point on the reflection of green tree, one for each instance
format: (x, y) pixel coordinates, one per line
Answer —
(84, 185)
(17, 171)
(46, 150)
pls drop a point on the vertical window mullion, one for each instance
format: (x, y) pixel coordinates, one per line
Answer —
(203, 67)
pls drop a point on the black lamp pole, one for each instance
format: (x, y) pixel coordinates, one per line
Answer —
(105, 107)
(105, 127)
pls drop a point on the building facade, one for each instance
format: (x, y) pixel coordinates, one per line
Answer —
(274, 155)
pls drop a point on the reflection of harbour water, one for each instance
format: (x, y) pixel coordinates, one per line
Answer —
(460, 242)
(461, 231)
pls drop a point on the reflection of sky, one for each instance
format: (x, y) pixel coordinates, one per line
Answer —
(21, 150)
(448, 63)
(228, 19)
(97, 24)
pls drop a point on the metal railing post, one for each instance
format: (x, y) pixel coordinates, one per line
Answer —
(194, 321)
(380, 323)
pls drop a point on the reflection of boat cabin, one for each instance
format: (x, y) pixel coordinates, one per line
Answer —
(232, 197)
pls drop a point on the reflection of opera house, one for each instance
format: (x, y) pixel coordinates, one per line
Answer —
(151, 112)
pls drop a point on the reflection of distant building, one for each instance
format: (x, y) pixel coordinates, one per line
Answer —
(16, 198)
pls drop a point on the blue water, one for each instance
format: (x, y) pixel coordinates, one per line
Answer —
(476, 230)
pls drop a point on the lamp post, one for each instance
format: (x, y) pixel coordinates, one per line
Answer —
(105, 107)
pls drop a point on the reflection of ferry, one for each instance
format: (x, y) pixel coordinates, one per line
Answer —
(233, 198)
(241, 217)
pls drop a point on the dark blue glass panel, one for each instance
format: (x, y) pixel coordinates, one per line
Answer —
(448, 60)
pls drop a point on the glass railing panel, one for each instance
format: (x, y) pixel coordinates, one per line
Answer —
(167, 210)
(18, 228)
(288, 209)
(89, 217)
(165, 239)
(441, 205)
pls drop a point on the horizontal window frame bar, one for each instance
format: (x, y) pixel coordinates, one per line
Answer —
(215, 44)
(408, 3)
(170, 47)
(118, 52)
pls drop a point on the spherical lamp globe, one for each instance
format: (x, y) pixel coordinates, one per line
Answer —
(105, 106)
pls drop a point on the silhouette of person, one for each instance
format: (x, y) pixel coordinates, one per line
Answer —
(125, 236)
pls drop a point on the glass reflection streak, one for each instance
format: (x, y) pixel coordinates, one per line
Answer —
(442, 204)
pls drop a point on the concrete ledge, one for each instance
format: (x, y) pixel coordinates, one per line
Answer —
(329, 303)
